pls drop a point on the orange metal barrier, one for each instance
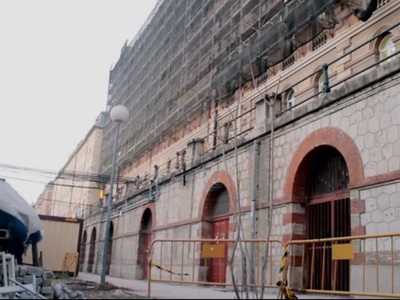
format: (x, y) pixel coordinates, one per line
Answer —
(206, 261)
(367, 265)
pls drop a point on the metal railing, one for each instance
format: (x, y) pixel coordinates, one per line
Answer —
(206, 262)
(30, 288)
(367, 265)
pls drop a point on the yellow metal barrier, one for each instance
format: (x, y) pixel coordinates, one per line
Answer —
(367, 265)
(206, 261)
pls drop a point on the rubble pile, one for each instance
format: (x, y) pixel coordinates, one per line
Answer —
(61, 291)
(24, 275)
(90, 290)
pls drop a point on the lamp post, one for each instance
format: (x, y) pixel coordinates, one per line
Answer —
(118, 114)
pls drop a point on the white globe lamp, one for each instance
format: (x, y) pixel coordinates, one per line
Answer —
(119, 114)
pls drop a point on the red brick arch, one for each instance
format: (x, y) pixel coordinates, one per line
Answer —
(329, 136)
(218, 177)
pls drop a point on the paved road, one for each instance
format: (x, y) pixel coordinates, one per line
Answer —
(173, 291)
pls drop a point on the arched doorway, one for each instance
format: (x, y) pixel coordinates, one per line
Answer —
(82, 255)
(92, 249)
(110, 247)
(145, 238)
(217, 215)
(327, 198)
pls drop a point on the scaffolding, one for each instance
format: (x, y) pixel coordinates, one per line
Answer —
(191, 56)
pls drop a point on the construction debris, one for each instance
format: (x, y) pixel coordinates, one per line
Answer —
(61, 291)
(24, 275)
(24, 282)
(91, 290)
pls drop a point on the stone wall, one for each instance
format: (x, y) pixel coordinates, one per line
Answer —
(378, 257)
(382, 209)
(361, 120)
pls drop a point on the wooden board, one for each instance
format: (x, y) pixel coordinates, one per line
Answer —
(70, 262)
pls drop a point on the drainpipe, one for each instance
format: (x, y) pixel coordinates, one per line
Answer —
(122, 232)
(101, 233)
(215, 129)
(255, 179)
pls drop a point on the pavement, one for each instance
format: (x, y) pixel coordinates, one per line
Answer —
(174, 291)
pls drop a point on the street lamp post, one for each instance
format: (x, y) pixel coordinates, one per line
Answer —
(118, 114)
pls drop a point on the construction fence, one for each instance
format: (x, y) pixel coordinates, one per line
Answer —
(367, 265)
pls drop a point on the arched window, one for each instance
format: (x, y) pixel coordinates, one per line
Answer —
(319, 84)
(386, 48)
(290, 99)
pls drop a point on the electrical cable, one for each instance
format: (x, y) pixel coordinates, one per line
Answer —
(22, 170)
(76, 176)
(88, 176)
(63, 202)
(63, 175)
(50, 183)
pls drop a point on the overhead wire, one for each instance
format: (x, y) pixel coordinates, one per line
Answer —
(73, 176)
(76, 176)
(63, 202)
(49, 183)
(64, 174)
(56, 201)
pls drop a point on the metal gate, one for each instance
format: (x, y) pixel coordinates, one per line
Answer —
(327, 220)
(220, 205)
(328, 216)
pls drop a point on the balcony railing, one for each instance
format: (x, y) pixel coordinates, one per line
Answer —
(319, 41)
(382, 2)
(262, 79)
(290, 61)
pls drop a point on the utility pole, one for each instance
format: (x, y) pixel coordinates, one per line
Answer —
(118, 114)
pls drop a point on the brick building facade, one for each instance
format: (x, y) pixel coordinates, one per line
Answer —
(74, 197)
(43, 205)
(76, 189)
(353, 132)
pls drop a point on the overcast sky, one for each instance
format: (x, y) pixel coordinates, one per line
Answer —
(55, 58)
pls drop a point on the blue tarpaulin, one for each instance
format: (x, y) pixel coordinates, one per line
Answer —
(19, 218)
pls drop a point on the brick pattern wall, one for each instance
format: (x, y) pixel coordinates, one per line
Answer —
(365, 132)
(346, 126)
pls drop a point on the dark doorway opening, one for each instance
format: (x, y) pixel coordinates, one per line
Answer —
(145, 238)
(82, 255)
(110, 247)
(92, 249)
